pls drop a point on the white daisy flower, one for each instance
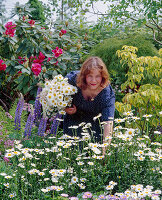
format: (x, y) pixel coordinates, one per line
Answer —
(74, 179)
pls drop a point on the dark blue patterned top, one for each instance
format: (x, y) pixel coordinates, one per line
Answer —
(103, 103)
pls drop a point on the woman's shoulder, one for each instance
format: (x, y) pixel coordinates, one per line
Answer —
(108, 92)
(72, 77)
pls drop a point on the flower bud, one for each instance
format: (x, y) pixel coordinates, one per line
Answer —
(85, 37)
(26, 64)
(44, 69)
(79, 45)
(60, 34)
(66, 23)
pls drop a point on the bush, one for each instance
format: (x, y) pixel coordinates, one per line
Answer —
(107, 51)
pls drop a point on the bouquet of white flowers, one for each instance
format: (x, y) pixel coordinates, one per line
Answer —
(56, 95)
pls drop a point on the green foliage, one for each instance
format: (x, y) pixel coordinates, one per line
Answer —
(146, 99)
(38, 12)
(8, 131)
(107, 51)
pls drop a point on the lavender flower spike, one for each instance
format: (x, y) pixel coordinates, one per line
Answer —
(55, 124)
(18, 112)
(37, 110)
(29, 123)
(42, 125)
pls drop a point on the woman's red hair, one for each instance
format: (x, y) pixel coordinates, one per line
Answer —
(89, 64)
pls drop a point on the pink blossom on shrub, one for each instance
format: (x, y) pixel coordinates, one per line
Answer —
(63, 31)
(40, 58)
(2, 66)
(31, 22)
(10, 29)
(36, 68)
(57, 52)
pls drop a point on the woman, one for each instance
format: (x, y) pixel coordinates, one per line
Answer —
(94, 96)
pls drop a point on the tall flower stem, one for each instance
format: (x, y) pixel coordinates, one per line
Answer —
(42, 125)
(29, 124)
(37, 106)
(55, 124)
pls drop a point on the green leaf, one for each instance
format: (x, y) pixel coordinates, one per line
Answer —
(74, 49)
(18, 67)
(24, 70)
(139, 22)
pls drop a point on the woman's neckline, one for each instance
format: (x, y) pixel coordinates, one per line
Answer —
(91, 98)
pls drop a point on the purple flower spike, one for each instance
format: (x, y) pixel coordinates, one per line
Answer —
(18, 113)
(38, 109)
(55, 124)
(42, 126)
(29, 124)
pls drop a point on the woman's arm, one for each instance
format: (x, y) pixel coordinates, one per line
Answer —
(108, 130)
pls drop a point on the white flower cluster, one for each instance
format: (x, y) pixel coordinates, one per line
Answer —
(56, 95)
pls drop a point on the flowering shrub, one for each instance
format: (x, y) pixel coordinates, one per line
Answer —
(35, 53)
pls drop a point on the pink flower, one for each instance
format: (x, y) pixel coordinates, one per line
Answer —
(31, 22)
(10, 29)
(24, 18)
(2, 66)
(6, 159)
(36, 68)
(64, 195)
(10, 25)
(87, 195)
(63, 31)
(8, 115)
(40, 58)
(57, 52)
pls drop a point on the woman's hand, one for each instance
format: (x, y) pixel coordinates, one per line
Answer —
(71, 110)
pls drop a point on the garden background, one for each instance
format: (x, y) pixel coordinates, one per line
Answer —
(44, 40)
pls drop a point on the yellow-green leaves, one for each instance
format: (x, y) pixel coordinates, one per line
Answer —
(146, 99)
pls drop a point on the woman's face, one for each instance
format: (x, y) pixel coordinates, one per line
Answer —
(93, 79)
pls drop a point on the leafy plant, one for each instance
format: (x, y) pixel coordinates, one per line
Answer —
(144, 98)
